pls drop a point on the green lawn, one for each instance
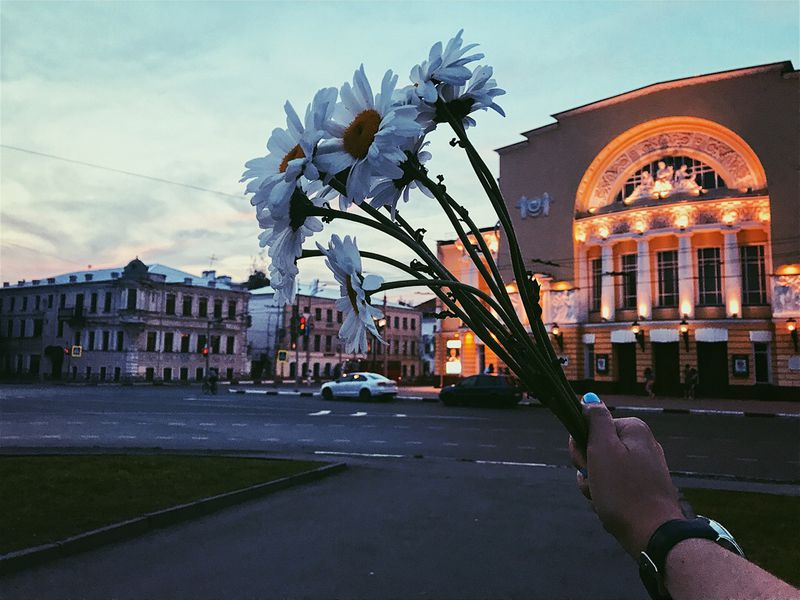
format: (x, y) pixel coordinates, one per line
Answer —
(48, 498)
(765, 525)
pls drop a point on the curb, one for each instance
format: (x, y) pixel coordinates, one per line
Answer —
(124, 530)
(685, 411)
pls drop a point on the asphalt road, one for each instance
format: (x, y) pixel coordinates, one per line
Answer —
(182, 418)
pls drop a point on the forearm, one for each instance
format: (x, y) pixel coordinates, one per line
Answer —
(698, 569)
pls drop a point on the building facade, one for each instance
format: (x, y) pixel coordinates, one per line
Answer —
(136, 323)
(317, 348)
(664, 227)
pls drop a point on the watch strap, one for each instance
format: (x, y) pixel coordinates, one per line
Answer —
(669, 534)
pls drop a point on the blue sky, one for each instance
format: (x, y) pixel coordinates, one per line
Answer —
(188, 92)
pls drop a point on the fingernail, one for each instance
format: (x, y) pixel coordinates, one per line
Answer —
(591, 398)
(584, 473)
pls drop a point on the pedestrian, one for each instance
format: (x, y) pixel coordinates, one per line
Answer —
(213, 377)
(687, 370)
(624, 474)
(490, 369)
(649, 382)
(691, 383)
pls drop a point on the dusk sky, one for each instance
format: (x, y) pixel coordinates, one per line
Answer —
(187, 92)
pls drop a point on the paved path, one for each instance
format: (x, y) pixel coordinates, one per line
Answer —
(383, 529)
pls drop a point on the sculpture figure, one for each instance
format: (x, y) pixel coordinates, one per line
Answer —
(684, 183)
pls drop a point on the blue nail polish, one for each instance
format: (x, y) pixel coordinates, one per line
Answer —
(584, 472)
(591, 398)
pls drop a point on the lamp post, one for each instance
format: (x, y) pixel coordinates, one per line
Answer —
(684, 327)
(637, 331)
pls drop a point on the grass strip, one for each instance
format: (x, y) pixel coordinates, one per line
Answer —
(765, 525)
(44, 499)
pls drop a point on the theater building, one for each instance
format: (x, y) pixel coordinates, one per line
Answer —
(664, 226)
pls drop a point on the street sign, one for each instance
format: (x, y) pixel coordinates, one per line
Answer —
(283, 355)
(77, 351)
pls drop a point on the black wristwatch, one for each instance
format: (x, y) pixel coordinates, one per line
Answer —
(651, 561)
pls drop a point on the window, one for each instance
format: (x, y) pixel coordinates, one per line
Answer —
(318, 314)
(106, 340)
(217, 309)
(78, 336)
(597, 283)
(38, 303)
(22, 328)
(90, 341)
(405, 322)
(149, 373)
(13, 301)
(667, 278)
(151, 341)
(120, 341)
(10, 328)
(708, 277)
(187, 306)
(761, 360)
(628, 281)
(170, 307)
(329, 315)
(184, 374)
(131, 305)
(413, 348)
(328, 340)
(198, 374)
(405, 347)
(38, 325)
(414, 324)
(397, 322)
(317, 340)
(169, 340)
(185, 342)
(50, 301)
(229, 344)
(93, 302)
(203, 307)
(700, 173)
(167, 374)
(338, 316)
(215, 344)
(201, 343)
(78, 304)
(107, 302)
(103, 371)
(754, 289)
(24, 303)
(231, 309)
(62, 301)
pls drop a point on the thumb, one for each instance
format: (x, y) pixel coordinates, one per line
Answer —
(602, 430)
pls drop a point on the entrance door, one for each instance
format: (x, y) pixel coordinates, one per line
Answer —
(666, 362)
(625, 359)
(712, 369)
(761, 360)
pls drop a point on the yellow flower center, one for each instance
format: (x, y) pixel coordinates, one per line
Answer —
(296, 152)
(360, 134)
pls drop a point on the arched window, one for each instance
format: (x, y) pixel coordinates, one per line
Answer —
(670, 169)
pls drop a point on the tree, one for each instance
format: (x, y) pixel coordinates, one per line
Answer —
(257, 279)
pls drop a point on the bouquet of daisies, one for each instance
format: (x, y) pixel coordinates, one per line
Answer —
(363, 151)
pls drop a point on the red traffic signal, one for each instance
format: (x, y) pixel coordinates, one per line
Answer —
(66, 350)
(205, 350)
(302, 324)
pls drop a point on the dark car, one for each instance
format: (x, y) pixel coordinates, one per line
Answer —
(483, 390)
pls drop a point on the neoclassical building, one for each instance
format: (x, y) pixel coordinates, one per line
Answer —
(664, 226)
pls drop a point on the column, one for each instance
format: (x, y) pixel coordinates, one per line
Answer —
(685, 275)
(584, 285)
(607, 307)
(644, 300)
(732, 275)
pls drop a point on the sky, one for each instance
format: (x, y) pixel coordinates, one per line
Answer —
(171, 99)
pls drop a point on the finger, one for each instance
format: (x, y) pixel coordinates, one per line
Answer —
(575, 455)
(602, 431)
(631, 429)
(583, 485)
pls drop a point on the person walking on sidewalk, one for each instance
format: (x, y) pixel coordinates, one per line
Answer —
(689, 382)
(624, 474)
(649, 382)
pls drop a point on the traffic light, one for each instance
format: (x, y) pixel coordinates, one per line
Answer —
(302, 328)
(66, 350)
(205, 350)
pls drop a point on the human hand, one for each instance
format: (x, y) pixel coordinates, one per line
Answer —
(628, 479)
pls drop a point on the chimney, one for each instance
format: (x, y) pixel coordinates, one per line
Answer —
(51, 280)
(34, 282)
(209, 274)
(21, 282)
(187, 280)
(212, 284)
(73, 278)
(88, 276)
(224, 279)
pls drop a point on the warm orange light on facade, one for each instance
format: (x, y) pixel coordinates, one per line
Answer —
(733, 307)
(469, 337)
(511, 288)
(791, 325)
(561, 286)
(729, 218)
(639, 226)
(580, 235)
(788, 270)
(763, 216)
(603, 232)
(682, 220)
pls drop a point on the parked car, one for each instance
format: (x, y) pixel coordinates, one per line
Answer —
(364, 386)
(486, 390)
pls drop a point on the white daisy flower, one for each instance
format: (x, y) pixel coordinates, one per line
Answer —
(443, 67)
(370, 136)
(479, 94)
(386, 192)
(291, 151)
(286, 226)
(344, 260)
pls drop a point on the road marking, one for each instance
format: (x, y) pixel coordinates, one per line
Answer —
(400, 415)
(238, 424)
(52, 437)
(516, 464)
(696, 456)
(109, 422)
(335, 425)
(142, 423)
(707, 411)
(270, 424)
(369, 455)
(90, 437)
(234, 439)
(414, 443)
(305, 440)
(177, 424)
(165, 437)
(199, 437)
(304, 425)
(488, 445)
(748, 460)
(640, 408)
(272, 440)
(38, 423)
(126, 437)
(208, 425)
(449, 444)
(74, 422)
(368, 426)
(359, 414)
(342, 441)
(9, 437)
(319, 413)
(377, 441)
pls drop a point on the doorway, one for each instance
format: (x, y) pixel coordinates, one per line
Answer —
(666, 363)
(625, 361)
(712, 369)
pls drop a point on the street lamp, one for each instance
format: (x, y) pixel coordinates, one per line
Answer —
(637, 331)
(684, 326)
(558, 336)
(791, 325)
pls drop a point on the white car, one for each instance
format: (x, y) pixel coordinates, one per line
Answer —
(364, 386)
